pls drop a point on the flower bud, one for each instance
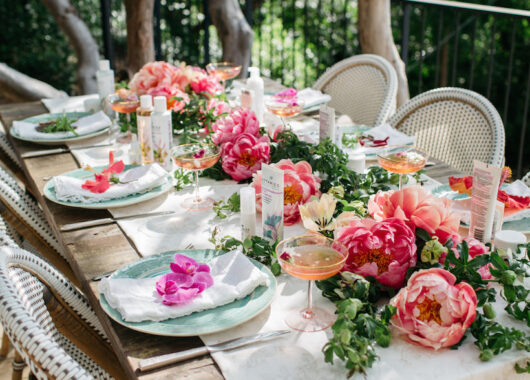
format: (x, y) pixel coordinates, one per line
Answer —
(432, 251)
(488, 310)
(486, 355)
(508, 277)
(337, 192)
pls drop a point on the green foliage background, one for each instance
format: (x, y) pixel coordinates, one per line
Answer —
(295, 41)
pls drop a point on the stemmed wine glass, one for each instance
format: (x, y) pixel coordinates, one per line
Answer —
(124, 101)
(402, 159)
(196, 157)
(223, 70)
(285, 107)
(311, 257)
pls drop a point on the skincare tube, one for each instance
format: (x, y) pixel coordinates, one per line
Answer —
(483, 200)
(248, 212)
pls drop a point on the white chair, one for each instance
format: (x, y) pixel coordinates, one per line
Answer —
(26, 217)
(454, 125)
(7, 149)
(364, 87)
(25, 317)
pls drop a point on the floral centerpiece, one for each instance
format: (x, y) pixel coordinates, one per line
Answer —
(195, 97)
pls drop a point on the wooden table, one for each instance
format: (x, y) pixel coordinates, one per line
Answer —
(96, 250)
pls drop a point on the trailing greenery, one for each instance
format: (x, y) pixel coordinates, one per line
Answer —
(61, 124)
(182, 178)
(232, 204)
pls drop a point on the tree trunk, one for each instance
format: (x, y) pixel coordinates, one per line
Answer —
(140, 40)
(234, 32)
(81, 40)
(19, 87)
(375, 34)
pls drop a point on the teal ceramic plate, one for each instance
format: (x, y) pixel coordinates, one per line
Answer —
(204, 322)
(59, 141)
(522, 225)
(49, 192)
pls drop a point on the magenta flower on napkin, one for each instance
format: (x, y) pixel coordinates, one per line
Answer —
(187, 280)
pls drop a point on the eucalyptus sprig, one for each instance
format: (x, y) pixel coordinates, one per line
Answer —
(358, 326)
(231, 205)
(254, 247)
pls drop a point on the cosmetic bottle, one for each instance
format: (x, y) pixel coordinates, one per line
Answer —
(143, 121)
(162, 132)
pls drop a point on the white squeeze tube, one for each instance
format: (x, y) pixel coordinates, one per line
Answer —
(272, 202)
(483, 199)
(248, 212)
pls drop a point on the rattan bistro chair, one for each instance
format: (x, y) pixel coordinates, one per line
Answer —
(526, 179)
(23, 213)
(364, 87)
(454, 125)
(49, 322)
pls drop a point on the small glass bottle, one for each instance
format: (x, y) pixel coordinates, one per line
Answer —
(135, 154)
(248, 212)
(143, 121)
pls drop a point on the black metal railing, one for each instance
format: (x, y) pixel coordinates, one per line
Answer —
(443, 43)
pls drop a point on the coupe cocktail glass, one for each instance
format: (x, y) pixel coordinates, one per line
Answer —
(285, 107)
(196, 157)
(311, 257)
(223, 70)
(124, 101)
(402, 159)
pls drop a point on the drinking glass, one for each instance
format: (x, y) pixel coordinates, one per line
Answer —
(223, 70)
(124, 101)
(285, 108)
(311, 257)
(196, 157)
(402, 159)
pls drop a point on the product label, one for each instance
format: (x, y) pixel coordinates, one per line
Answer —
(272, 202)
(327, 123)
(162, 140)
(145, 139)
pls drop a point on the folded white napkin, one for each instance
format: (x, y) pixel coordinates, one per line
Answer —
(381, 132)
(517, 188)
(312, 97)
(139, 180)
(85, 125)
(68, 104)
(234, 277)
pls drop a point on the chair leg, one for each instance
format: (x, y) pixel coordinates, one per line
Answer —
(18, 366)
(4, 349)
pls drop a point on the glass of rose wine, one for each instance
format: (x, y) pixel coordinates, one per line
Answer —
(196, 157)
(402, 159)
(223, 70)
(124, 101)
(311, 257)
(285, 107)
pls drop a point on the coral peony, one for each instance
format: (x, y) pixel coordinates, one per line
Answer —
(299, 186)
(244, 156)
(384, 250)
(432, 311)
(207, 86)
(176, 99)
(219, 107)
(152, 75)
(418, 208)
(240, 121)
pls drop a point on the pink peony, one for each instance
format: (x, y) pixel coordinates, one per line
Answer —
(244, 156)
(219, 107)
(418, 208)
(207, 86)
(383, 250)
(274, 131)
(299, 186)
(176, 99)
(152, 75)
(432, 311)
(238, 122)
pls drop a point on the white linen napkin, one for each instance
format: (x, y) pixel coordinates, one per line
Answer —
(68, 104)
(312, 97)
(137, 300)
(139, 180)
(85, 125)
(381, 132)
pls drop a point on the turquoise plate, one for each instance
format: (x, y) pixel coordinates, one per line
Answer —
(204, 322)
(522, 225)
(49, 192)
(58, 141)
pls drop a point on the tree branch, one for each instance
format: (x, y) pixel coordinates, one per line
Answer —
(81, 40)
(19, 87)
